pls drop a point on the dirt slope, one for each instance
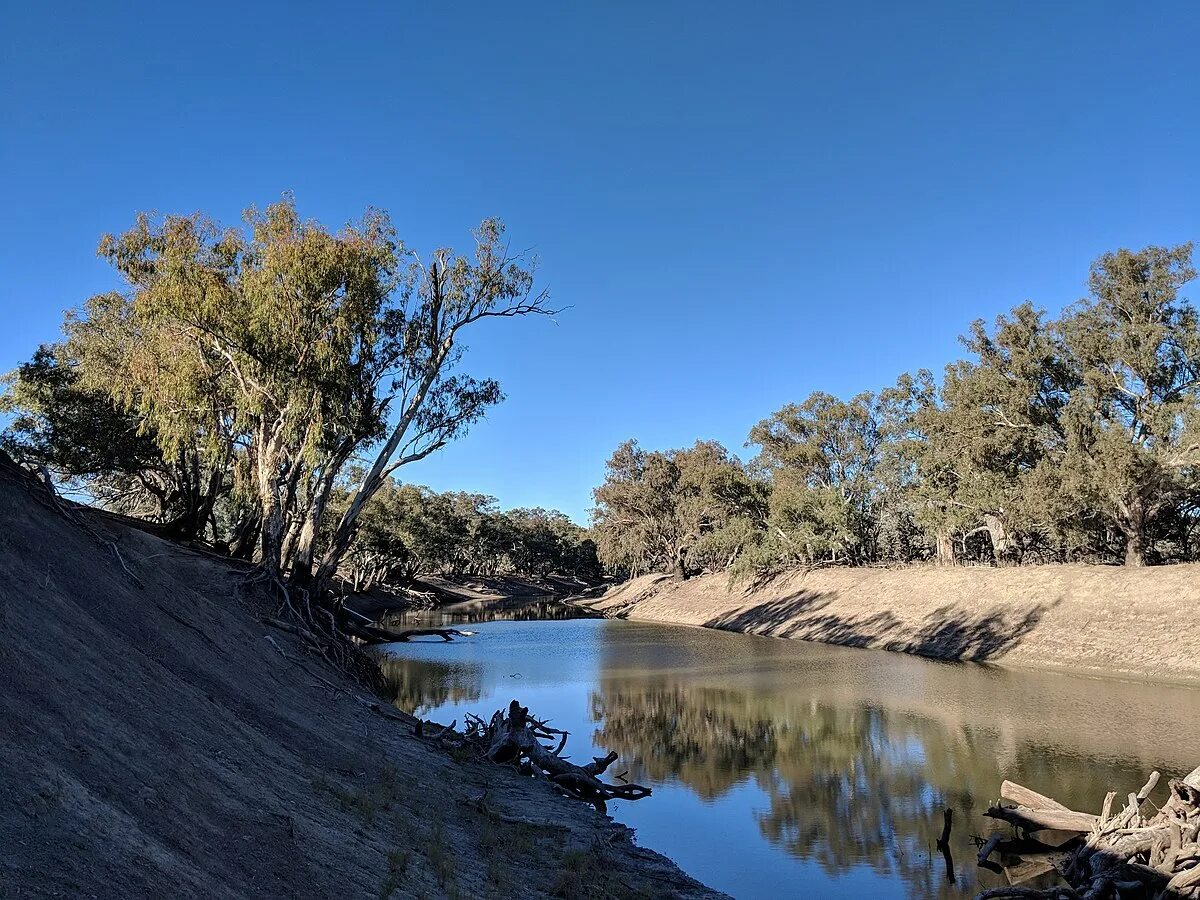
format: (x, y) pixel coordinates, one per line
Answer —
(1098, 619)
(153, 743)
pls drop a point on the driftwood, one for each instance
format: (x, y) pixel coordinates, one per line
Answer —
(516, 738)
(1136, 851)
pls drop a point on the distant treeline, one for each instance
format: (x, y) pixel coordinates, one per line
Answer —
(1057, 440)
(408, 530)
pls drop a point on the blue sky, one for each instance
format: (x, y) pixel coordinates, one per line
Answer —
(740, 203)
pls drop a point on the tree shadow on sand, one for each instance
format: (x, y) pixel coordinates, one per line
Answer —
(948, 633)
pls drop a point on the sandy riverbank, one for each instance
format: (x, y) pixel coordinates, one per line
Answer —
(1094, 619)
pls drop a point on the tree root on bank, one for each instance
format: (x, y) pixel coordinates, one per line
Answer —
(1126, 854)
(321, 623)
(516, 739)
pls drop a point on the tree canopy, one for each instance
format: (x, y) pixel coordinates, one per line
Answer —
(1066, 439)
(242, 371)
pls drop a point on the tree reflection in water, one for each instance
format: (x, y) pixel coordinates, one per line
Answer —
(545, 608)
(821, 771)
(848, 784)
(418, 686)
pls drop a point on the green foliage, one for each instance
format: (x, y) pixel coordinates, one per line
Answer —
(407, 530)
(1055, 440)
(61, 418)
(821, 457)
(78, 432)
(435, 405)
(682, 510)
(225, 391)
(1133, 421)
(240, 371)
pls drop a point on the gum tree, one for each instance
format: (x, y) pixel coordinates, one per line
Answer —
(1133, 422)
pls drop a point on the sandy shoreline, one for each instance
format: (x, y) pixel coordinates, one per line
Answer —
(1134, 623)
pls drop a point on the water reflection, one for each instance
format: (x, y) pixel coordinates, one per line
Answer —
(419, 686)
(782, 767)
(544, 608)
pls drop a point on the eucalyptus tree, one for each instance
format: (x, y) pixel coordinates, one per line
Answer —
(1003, 413)
(74, 411)
(821, 457)
(302, 349)
(1133, 422)
(676, 511)
(408, 530)
(432, 403)
(986, 445)
(99, 449)
(270, 334)
(634, 516)
(549, 542)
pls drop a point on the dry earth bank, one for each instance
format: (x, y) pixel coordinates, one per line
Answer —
(155, 743)
(1097, 619)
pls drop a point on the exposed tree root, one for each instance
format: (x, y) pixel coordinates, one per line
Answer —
(322, 624)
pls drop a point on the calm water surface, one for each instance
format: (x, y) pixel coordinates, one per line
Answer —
(782, 768)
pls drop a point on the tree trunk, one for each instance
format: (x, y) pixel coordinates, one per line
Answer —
(271, 536)
(1135, 549)
(998, 533)
(679, 567)
(245, 536)
(343, 534)
(1133, 526)
(270, 544)
(946, 555)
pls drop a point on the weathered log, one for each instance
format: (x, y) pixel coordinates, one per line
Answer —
(1037, 819)
(1023, 796)
(1024, 893)
(1186, 879)
(1148, 787)
(516, 738)
(373, 634)
(1140, 852)
(989, 846)
(1193, 780)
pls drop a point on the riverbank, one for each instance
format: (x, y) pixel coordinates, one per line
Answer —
(485, 590)
(159, 740)
(1090, 619)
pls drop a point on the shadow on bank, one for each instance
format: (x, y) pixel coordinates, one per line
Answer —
(947, 633)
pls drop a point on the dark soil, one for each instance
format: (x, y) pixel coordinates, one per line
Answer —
(154, 742)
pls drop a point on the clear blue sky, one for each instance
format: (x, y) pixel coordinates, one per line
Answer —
(741, 203)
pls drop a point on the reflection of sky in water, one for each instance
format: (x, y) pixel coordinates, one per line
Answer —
(788, 769)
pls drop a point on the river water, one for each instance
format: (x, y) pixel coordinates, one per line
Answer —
(782, 768)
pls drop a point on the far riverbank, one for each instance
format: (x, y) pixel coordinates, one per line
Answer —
(1091, 619)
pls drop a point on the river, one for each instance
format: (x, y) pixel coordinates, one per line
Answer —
(783, 768)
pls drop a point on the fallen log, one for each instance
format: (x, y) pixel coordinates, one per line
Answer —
(373, 634)
(1023, 796)
(1141, 852)
(516, 739)
(1037, 819)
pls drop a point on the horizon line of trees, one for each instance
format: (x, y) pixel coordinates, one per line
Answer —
(1068, 439)
(410, 530)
